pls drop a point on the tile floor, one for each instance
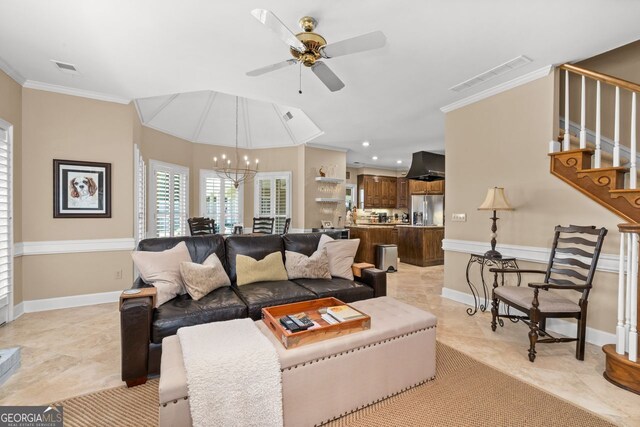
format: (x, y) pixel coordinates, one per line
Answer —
(76, 351)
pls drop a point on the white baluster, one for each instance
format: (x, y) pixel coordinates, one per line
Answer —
(620, 332)
(627, 308)
(616, 131)
(598, 130)
(583, 114)
(566, 142)
(633, 176)
(633, 297)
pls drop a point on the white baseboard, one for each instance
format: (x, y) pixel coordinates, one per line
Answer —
(65, 302)
(559, 326)
(18, 310)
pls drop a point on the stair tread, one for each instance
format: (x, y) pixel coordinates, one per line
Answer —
(579, 150)
(611, 168)
(625, 190)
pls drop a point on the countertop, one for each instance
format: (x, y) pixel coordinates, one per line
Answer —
(419, 226)
(395, 225)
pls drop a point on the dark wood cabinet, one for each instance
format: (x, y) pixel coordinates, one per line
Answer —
(379, 191)
(402, 193)
(424, 187)
(420, 245)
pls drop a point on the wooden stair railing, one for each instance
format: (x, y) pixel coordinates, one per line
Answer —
(582, 168)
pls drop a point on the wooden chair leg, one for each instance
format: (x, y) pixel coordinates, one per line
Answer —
(534, 315)
(542, 326)
(494, 313)
(582, 333)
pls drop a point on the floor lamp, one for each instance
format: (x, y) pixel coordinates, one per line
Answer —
(495, 201)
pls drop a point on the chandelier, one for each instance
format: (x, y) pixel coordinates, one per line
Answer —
(236, 171)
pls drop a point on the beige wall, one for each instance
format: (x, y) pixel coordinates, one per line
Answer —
(503, 141)
(11, 111)
(59, 126)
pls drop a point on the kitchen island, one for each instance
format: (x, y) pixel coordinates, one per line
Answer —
(417, 245)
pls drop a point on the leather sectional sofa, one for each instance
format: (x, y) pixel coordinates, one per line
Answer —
(143, 327)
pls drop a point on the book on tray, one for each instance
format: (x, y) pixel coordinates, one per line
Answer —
(342, 313)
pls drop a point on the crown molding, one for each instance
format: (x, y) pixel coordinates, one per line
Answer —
(12, 72)
(518, 81)
(326, 147)
(31, 84)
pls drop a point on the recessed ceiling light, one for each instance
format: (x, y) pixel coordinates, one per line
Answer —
(399, 161)
(365, 144)
(374, 158)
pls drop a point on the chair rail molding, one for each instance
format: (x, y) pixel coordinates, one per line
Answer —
(73, 246)
(608, 262)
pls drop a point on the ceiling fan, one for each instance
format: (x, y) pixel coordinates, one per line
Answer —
(308, 47)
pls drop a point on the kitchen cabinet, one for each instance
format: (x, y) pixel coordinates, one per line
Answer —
(402, 193)
(377, 191)
(424, 187)
(420, 245)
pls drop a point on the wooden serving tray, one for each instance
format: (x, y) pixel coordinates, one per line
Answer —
(271, 317)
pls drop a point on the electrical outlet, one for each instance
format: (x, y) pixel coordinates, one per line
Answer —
(118, 274)
(459, 217)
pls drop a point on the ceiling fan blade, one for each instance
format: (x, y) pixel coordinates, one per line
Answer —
(272, 67)
(271, 21)
(327, 76)
(369, 41)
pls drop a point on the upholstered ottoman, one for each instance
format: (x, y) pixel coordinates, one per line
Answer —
(327, 379)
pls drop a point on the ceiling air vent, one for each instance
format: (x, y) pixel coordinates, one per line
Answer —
(65, 67)
(492, 73)
(288, 116)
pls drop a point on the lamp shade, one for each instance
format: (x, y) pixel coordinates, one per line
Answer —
(495, 201)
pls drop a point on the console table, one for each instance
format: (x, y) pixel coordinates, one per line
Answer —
(485, 261)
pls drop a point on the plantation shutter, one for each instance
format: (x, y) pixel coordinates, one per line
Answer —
(6, 238)
(273, 197)
(220, 201)
(170, 199)
(141, 202)
(231, 207)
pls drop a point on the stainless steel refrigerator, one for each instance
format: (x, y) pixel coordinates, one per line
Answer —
(427, 210)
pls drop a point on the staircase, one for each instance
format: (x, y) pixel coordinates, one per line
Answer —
(606, 180)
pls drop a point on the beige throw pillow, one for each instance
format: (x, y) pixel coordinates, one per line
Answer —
(200, 279)
(300, 266)
(341, 254)
(270, 268)
(162, 270)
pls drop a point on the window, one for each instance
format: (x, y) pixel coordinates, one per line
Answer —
(6, 223)
(140, 174)
(219, 200)
(168, 199)
(272, 195)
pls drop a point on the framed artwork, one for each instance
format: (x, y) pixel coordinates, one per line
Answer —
(327, 224)
(81, 189)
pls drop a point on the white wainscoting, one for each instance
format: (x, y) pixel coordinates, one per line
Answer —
(607, 262)
(559, 326)
(73, 246)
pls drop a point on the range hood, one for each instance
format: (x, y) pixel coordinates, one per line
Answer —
(426, 166)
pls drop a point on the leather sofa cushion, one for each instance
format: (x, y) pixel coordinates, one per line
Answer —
(343, 289)
(257, 247)
(267, 294)
(304, 243)
(221, 304)
(200, 247)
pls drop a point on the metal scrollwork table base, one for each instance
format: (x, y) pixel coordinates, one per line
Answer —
(488, 262)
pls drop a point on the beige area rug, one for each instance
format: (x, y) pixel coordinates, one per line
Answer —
(465, 393)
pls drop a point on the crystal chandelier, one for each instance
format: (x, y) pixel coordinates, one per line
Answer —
(239, 170)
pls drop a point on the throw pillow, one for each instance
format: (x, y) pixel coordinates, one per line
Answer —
(162, 270)
(269, 268)
(341, 254)
(300, 266)
(200, 279)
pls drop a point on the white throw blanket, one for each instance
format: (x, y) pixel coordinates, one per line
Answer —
(233, 375)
